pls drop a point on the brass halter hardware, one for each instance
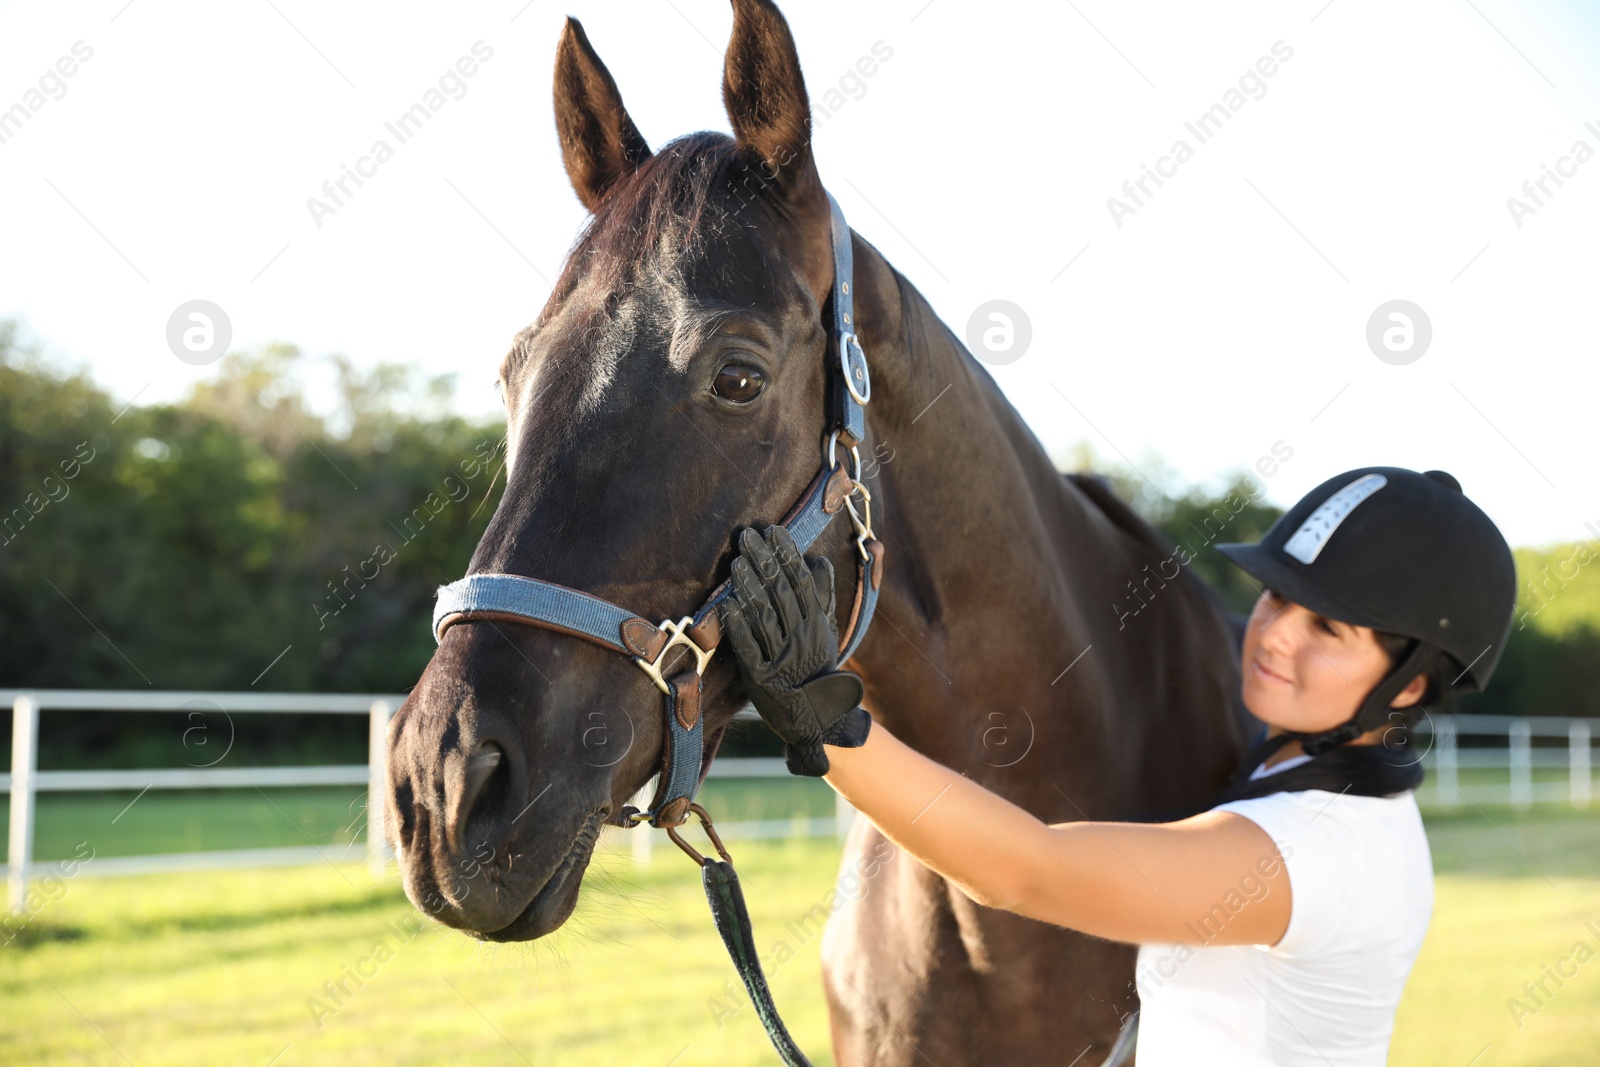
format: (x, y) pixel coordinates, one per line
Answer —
(862, 520)
(680, 636)
(711, 832)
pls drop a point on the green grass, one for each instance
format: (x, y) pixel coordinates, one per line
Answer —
(228, 967)
(192, 820)
(1512, 895)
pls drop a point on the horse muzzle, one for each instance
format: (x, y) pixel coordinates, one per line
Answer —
(489, 842)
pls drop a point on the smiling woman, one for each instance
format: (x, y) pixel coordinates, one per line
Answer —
(1280, 926)
(1338, 655)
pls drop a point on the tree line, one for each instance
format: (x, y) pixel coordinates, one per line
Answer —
(240, 539)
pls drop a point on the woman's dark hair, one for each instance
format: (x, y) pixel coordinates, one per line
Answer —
(1393, 644)
(1396, 646)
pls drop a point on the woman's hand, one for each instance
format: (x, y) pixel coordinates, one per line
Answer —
(780, 623)
(1132, 882)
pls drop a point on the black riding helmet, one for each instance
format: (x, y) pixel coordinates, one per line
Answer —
(1395, 550)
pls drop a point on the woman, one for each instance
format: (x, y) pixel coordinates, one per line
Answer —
(1279, 926)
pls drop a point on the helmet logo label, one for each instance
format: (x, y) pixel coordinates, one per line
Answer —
(1309, 540)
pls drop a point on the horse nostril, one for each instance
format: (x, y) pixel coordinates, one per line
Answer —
(484, 788)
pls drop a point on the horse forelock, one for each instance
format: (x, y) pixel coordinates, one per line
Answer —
(635, 278)
(652, 220)
(653, 272)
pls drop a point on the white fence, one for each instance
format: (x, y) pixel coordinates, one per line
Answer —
(26, 781)
(1445, 759)
(1439, 740)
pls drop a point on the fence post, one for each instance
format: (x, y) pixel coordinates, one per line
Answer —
(1521, 739)
(1578, 763)
(378, 851)
(24, 763)
(1446, 763)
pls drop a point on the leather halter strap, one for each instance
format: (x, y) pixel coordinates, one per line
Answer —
(685, 758)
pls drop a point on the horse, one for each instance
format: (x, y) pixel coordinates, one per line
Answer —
(669, 394)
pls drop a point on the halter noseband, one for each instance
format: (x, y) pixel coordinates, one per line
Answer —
(685, 758)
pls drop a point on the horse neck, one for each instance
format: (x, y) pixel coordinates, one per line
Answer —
(960, 485)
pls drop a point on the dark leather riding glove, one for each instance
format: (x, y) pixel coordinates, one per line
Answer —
(780, 623)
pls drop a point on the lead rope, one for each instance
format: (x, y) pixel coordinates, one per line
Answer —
(732, 920)
(733, 923)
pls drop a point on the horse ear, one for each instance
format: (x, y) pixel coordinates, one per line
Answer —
(765, 95)
(599, 142)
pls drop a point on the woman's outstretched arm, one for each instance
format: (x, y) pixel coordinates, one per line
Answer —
(1130, 882)
(1124, 881)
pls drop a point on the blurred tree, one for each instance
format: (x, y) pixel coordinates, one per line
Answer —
(1190, 516)
(248, 536)
(198, 541)
(1551, 665)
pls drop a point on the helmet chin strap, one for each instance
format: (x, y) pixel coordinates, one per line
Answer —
(1374, 710)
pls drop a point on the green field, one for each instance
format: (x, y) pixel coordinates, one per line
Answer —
(229, 967)
(1513, 894)
(119, 823)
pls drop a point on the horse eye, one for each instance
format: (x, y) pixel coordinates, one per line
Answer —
(739, 382)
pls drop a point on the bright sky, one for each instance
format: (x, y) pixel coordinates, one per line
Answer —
(1228, 312)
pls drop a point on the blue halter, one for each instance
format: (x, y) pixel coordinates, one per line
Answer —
(685, 757)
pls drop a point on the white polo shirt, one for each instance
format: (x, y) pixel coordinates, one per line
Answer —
(1361, 897)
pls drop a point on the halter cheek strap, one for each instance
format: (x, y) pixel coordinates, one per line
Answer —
(685, 758)
(853, 387)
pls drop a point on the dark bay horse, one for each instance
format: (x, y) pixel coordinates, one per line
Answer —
(670, 393)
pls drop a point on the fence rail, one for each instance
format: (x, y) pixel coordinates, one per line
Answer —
(26, 781)
(1438, 739)
(1445, 758)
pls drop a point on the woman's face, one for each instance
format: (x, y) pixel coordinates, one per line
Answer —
(1305, 672)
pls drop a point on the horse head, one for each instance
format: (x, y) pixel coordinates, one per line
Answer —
(670, 393)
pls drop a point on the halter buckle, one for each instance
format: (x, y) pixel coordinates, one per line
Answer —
(679, 632)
